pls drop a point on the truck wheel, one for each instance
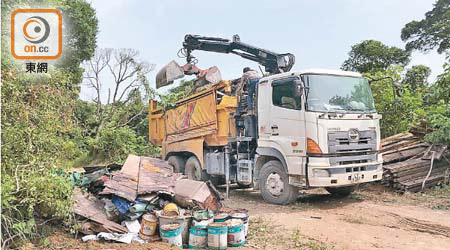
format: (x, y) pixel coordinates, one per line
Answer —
(274, 184)
(340, 191)
(193, 169)
(177, 162)
(243, 186)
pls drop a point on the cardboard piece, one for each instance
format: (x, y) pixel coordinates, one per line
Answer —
(190, 193)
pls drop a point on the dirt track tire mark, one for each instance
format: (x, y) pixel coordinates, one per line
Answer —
(422, 226)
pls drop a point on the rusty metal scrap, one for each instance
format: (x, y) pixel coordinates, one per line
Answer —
(156, 175)
(92, 209)
(190, 193)
(142, 175)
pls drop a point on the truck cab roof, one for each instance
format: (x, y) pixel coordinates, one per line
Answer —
(314, 71)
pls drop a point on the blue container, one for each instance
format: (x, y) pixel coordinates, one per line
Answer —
(121, 204)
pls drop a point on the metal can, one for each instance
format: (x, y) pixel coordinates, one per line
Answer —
(171, 233)
(198, 236)
(244, 217)
(217, 235)
(222, 217)
(148, 225)
(236, 236)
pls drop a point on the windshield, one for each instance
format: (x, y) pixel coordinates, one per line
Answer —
(331, 93)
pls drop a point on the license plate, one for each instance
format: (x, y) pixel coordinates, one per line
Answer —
(356, 177)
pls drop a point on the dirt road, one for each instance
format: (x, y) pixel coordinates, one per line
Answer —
(371, 218)
(368, 219)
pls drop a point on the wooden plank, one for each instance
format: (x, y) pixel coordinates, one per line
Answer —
(125, 182)
(131, 167)
(399, 145)
(403, 154)
(396, 138)
(415, 144)
(419, 175)
(405, 165)
(92, 209)
(156, 175)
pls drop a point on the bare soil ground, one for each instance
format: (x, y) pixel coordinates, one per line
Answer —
(371, 218)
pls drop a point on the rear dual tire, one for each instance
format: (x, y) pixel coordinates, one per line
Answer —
(177, 162)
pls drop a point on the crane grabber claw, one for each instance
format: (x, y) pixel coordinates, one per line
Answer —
(173, 71)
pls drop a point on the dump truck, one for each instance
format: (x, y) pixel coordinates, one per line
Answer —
(285, 132)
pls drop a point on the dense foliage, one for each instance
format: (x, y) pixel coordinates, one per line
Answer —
(421, 100)
(371, 56)
(39, 134)
(46, 128)
(430, 33)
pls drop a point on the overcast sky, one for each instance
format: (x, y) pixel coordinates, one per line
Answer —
(318, 33)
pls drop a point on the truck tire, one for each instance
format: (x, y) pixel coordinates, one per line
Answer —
(243, 186)
(274, 184)
(177, 162)
(340, 191)
(193, 170)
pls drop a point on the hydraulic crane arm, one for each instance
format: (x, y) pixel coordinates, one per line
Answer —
(272, 62)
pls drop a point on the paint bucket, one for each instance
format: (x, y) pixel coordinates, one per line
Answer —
(217, 235)
(148, 225)
(202, 218)
(222, 217)
(236, 236)
(245, 219)
(198, 237)
(184, 221)
(200, 215)
(171, 233)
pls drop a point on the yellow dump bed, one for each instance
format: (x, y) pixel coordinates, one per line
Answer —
(204, 115)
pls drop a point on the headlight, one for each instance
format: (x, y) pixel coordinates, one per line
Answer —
(321, 173)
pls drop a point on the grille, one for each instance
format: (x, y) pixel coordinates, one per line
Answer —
(350, 152)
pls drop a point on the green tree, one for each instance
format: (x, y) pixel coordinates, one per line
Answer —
(416, 77)
(124, 109)
(399, 113)
(39, 133)
(431, 32)
(372, 56)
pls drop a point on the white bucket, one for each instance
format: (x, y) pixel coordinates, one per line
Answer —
(245, 219)
(217, 235)
(198, 237)
(184, 221)
(171, 233)
(236, 235)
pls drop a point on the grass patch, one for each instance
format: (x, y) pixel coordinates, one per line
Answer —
(265, 234)
(441, 191)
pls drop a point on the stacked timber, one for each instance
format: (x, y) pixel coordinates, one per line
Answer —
(410, 164)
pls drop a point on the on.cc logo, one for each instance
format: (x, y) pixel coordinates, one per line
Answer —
(40, 27)
(36, 34)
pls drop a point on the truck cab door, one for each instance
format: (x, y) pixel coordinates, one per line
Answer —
(283, 120)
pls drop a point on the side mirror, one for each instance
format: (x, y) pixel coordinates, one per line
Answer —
(298, 85)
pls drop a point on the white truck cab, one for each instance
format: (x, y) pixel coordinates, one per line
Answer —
(322, 127)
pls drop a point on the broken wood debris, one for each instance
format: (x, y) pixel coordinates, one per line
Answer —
(92, 208)
(142, 175)
(143, 185)
(410, 164)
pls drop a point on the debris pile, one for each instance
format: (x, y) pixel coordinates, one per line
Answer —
(410, 164)
(145, 201)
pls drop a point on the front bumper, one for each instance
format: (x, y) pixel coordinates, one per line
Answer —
(321, 174)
